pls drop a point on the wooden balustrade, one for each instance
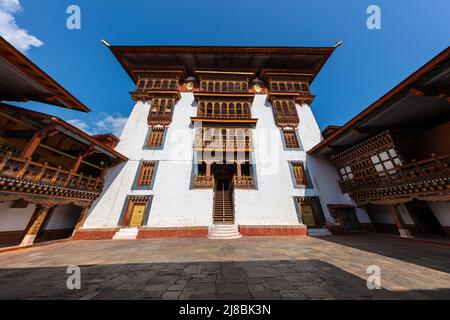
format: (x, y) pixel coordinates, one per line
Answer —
(243, 182)
(223, 139)
(426, 175)
(203, 182)
(16, 168)
(162, 118)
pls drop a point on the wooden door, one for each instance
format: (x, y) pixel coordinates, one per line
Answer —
(137, 216)
(308, 215)
(349, 220)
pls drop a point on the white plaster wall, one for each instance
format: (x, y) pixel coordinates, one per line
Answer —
(14, 219)
(273, 203)
(442, 212)
(64, 217)
(174, 204)
(381, 213)
(326, 178)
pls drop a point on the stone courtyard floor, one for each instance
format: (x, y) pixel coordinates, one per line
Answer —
(249, 268)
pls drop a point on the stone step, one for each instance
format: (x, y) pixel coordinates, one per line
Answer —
(224, 232)
(126, 234)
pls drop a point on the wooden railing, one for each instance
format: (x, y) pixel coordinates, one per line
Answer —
(19, 169)
(434, 172)
(284, 120)
(224, 145)
(162, 118)
(224, 116)
(203, 182)
(243, 182)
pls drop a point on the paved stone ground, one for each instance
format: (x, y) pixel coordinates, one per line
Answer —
(249, 268)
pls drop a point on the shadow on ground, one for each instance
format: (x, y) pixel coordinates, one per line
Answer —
(428, 256)
(281, 279)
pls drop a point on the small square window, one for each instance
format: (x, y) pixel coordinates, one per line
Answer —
(388, 165)
(384, 156)
(392, 153)
(375, 159)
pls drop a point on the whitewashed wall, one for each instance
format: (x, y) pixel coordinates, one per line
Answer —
(273, 203)
(174, 204)
(14, 219)
(64, 217)
(442, 212)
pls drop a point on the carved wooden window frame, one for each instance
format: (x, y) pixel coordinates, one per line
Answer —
(147, 172)
(299, 172)
(290, 139)
(156, 136)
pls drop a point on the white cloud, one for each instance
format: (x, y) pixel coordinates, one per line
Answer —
(104, 123)
(80, 124)
(111, 123)
(18, 37)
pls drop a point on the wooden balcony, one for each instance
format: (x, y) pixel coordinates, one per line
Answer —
(244, 182)
(287, 121)
(203, 182)
(204, 115)
(42, 177)
(160, 118)
(428, 178)
(223, 145)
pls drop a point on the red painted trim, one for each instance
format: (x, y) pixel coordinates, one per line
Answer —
(95, 234)
(255, 231)
(154, 233)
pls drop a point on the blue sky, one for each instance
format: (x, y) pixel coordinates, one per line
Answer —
(368, 64)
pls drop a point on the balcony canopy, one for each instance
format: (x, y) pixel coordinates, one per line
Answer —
(254, 59)
(22, 80)
(420, 101)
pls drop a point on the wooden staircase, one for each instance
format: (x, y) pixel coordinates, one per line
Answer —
(223, 212)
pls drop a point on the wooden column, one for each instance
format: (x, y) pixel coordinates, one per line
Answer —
(34, 142)
(239, 168)
(401, 225)
(35, 224)
(31, 146)
(81, 219)
(208, 168)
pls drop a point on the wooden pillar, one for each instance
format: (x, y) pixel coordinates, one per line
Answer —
(239, 168)
(34, 142)
(31, 146)
(81, 219)
(77, 163)
(208, 168)
(35, 224)
(401, 225)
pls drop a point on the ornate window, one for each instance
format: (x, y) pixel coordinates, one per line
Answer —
(146, 173)
(155, 138)
(346, 173)
(290, 138)
(386, 162)
(301, 178)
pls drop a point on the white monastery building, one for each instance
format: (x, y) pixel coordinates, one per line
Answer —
(222, 143)
(217, 143)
